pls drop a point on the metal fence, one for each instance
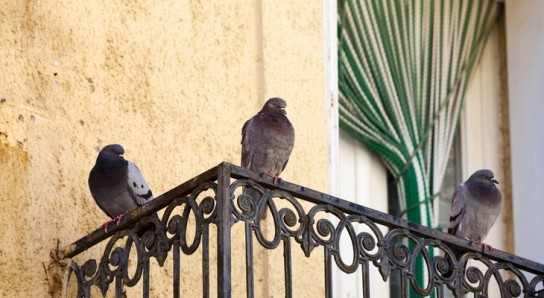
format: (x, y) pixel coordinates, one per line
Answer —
(216, 198)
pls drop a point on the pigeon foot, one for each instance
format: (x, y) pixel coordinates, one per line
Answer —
(105, 225)
(274, 178)
(116, 219)
(485, 246)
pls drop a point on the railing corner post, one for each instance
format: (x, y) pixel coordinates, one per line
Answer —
(224, 223)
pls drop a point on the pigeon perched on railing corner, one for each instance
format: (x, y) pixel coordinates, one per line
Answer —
(267, 142)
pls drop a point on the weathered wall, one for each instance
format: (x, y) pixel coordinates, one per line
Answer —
(173, 82)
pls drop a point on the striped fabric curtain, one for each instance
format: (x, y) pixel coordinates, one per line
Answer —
(403, 72)
(404, 67)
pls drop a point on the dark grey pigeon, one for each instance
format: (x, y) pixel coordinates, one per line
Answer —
(267, 141)
(475, 206)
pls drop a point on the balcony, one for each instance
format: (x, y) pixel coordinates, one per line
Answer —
(297, 218)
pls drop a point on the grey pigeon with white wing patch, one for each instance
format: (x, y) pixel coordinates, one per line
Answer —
(116, 184)
(475, 206)
(118, 187)
(267, 141)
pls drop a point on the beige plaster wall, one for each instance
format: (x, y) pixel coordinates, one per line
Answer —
(173, 82)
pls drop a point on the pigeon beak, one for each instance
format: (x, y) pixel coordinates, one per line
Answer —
(494, 181)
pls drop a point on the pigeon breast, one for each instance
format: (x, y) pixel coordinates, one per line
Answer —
(268, 140)
(476, 205)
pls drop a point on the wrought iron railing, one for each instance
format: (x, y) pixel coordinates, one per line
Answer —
(215, 198)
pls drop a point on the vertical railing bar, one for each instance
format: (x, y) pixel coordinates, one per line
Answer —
(365, 279)
(86, 292)
(328, 272)
(439, 291)
(118, 286)
(145, 293)
(224, 231)
(206, 261)
(249, 261)
(403, 285)
(176, 263)
(287, 267)
(83, 289)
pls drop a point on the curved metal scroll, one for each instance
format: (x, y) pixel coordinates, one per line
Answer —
(294, 216)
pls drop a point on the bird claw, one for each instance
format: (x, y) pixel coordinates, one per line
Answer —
(105, 225)
(274, 178)
(277, 179)
(116, 219)
(485, 246)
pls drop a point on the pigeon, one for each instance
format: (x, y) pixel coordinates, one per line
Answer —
(117, 185)
(267, 141)
(475, 206)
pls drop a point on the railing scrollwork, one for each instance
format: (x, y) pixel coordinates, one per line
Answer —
(294, 215)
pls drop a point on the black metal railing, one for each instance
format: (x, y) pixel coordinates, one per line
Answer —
(215, 199)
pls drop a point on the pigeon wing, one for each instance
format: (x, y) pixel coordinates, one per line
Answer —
(247, 148)
(457, 209)
(285, 164)
(290, 141)
(137, 187)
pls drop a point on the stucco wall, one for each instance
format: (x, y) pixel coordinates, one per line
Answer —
(173, 82)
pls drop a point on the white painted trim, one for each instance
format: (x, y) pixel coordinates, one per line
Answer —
(331, 99)
(331, 89)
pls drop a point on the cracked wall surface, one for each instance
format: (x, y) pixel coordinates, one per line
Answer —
(173, 82)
